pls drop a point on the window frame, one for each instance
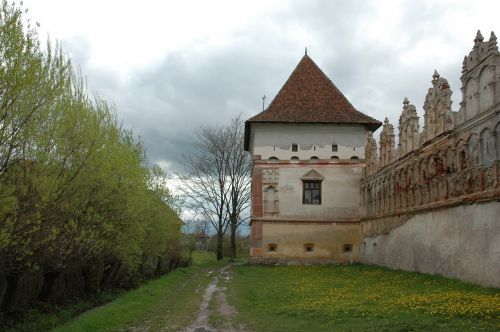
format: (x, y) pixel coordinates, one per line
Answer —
(304, 189)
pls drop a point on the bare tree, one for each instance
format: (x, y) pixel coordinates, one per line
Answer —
(216, 181)
(205, 180)
(238, 164)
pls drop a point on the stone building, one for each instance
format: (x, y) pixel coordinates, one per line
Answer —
(308, 160)
(428, 202)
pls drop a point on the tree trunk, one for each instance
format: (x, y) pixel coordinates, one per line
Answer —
(233, 242)
(49, 281)
(10, 293)
(219, 245)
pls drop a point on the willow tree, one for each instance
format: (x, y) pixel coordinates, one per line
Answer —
(76, 190)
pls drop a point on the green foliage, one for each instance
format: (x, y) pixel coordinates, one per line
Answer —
(359, 298)
(76, 189)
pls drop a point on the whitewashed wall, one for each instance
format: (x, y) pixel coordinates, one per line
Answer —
(275, 140)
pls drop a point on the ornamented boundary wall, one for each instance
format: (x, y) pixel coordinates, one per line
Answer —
(433, 204)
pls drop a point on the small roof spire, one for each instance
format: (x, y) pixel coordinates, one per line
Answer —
(492, 43)
(479, 37)
(386, 120)
(436, 74)
(305, 53)
(406, 102)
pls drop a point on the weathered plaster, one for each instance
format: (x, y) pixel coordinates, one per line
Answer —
(460, 242)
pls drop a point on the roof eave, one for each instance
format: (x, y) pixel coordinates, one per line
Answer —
(370, 125)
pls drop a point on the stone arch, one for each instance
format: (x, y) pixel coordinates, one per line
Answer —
(385, 181)
(451, 160)
(403, 186)
(461, 156)
(369, 198)
(417, 199)
(486, 148)
(473, 149)
(497, 141)
(424, 181)
(397, 189)
(441, 174)
(376, 190)
(485, 89)
(471, 105)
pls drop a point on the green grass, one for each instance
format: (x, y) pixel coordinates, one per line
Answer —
(166, 303)
(358, 298)
(44, 317)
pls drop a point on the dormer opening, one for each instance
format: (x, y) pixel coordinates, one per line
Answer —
(295, 147)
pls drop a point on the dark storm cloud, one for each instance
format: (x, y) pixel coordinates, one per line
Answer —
(166, 103)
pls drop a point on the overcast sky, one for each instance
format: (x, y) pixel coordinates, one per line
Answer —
(173, 66)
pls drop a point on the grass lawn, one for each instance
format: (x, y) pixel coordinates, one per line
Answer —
(167, 303)
(358, 298)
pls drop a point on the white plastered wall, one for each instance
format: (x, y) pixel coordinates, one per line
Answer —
(275, 140)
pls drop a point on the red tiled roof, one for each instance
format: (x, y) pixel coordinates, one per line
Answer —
(309, 96)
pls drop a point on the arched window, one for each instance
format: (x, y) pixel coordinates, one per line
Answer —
(334, 158)
(354, 158)
(272, 159)
(294, 159)
(314, 159)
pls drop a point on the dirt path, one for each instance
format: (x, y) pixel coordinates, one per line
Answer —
(215, 314)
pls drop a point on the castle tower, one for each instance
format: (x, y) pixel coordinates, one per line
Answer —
(308, 151)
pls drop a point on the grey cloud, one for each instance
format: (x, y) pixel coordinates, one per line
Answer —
(165, 104)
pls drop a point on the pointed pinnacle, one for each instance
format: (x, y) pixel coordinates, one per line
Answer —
(386, 120)
(479, 37)
(436, 74)
(406, 101)
(493, 37)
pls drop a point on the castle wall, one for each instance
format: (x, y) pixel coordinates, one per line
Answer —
(436, 208)
(459, 242)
